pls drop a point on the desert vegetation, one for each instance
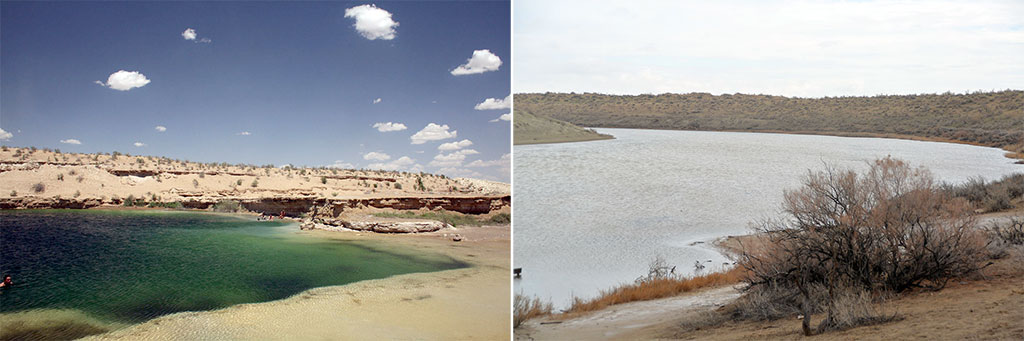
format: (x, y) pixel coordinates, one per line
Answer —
(991, 196)
(993, 119)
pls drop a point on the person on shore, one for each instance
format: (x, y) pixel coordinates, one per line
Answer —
(7, 282)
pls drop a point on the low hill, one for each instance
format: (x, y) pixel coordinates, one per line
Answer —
(533, 129)
(994, 119)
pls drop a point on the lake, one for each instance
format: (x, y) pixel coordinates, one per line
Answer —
(124, 267)
(592, 215)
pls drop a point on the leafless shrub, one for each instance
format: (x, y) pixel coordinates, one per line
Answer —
(851, 307)
(39, 187)
(1011, 232)
(889, 229)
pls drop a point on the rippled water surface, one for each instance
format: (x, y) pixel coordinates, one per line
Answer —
(591, 215)
(131, 266)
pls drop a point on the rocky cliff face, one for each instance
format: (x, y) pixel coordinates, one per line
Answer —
(293, 206)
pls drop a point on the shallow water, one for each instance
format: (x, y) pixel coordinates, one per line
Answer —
(591, 215)
(132, 266)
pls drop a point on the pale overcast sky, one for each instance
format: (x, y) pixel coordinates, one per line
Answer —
(792, 48)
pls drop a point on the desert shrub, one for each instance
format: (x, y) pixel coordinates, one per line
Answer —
(239, 182)
(77, 194)
(80, 178)
(500, 218)
(255, 183)
(889, 229)
(398, 186)
(72, 172)
(227, 206)
(202, 175)
(195, 183)
(60, 176)
(525, 308)
(990, 196)
(14, 193)
(1011, 232)
(39, 187)
(323, 180)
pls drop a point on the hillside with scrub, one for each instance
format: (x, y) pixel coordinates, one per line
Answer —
(993, 119)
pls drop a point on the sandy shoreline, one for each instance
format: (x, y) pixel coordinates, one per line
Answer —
(468, 303)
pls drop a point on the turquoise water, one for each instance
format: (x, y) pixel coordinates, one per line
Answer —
(132, 266)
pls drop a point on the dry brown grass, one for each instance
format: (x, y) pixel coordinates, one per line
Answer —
(525, 308)
(655, 289)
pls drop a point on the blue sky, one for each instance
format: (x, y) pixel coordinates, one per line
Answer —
(805, 48)
(262, 82)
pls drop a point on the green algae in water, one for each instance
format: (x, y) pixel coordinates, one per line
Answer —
(132, 266)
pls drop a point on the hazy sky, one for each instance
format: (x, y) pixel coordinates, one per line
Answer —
(792, 48)
(400, 85)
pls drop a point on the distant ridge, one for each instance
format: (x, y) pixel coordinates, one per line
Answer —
(994, 119)
(533, 129)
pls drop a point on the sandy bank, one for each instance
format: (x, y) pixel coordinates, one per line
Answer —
(469, 303)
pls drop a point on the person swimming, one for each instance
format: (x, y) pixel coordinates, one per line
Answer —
(7, 282)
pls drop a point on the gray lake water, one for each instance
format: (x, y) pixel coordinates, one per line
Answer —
(591, 215)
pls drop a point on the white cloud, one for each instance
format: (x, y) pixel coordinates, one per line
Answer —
(139, 144)
(455, 145)
(71, 141)
(452, 160)
(189, 34)
(388, 126)
(161, 128)
(4, 135)
(504, 161)
(378, 100)
(372, 22)
(244, 133)
(125, 80)
(433, 132)
(495, 103)
(460, 172)
(204, 40)
(376, 156)
(404, 163)
(481, 61)
(503, 117)
(792, 48)
(341, 164)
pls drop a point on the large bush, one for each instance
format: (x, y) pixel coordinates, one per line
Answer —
(888, 229)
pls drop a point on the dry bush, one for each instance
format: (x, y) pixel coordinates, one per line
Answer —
(525, 308)
(655, 288)
(889, 229)
(851, 307)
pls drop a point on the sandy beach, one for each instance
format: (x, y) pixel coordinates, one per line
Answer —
(468, 303)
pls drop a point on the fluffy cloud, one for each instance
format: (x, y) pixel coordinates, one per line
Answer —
(125, 80)
(372, 22)
(161, 128)
(4, 135)
(139, 144)
(190, 34)
(376, 156)
(71, 141)
(404, 163)
(503, 117)
(433, 132)
(455, 145)
(386, 127)
(452, 160)
(495, 103)
(504, 162)
(244, 133)
(341, 164)
(460, 172)
(378, 100)
(481, 61)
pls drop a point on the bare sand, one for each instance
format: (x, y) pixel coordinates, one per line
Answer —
(468, 303)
